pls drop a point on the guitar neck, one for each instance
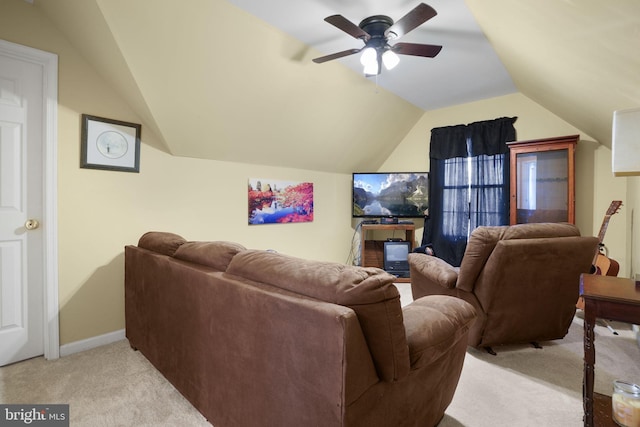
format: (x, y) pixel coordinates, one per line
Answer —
(603, 228)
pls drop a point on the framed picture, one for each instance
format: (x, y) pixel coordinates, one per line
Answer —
(109, 144)
(277, 202)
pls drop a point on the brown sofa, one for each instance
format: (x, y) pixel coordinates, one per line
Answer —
(522, 279)
(254, 338)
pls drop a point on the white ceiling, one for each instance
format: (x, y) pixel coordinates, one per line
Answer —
(467, 69)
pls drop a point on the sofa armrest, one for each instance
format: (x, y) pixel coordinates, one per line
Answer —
(434, 324)
(433, 269)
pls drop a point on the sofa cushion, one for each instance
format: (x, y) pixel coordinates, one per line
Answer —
(216, 254)
(370, 292)
(161, 242)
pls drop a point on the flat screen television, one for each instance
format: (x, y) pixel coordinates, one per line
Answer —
(395, 194)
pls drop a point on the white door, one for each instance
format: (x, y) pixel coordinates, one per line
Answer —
(22, 249)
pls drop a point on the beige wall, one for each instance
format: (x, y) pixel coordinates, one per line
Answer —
(632, 226)
(198, 199)
(99, 212)
(595, 185)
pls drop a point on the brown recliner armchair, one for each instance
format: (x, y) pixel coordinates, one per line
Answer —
(523, 280)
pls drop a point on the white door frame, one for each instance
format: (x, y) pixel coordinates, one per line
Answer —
(49, 63)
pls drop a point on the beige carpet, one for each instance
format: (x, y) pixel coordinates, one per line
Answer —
(524, 386)
(106, 386)
(521, 386)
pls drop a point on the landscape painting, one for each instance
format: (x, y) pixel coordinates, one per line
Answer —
(274, 201)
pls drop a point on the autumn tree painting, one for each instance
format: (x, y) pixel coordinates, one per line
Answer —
(272, 201)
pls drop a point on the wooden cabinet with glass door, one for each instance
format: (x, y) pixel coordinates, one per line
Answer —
(543, 180)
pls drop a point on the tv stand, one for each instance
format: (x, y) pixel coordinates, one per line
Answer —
(372, 251)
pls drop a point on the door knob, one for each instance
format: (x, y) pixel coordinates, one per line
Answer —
(31, 224)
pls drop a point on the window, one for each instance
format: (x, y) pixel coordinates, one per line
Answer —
(469, 167)
(456, 196)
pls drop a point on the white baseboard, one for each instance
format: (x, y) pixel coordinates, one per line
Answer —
(93, 342)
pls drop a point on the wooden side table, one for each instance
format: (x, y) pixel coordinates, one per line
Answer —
(372, 250)
(605, 297)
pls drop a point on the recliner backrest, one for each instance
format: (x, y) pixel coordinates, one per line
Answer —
(484, 239)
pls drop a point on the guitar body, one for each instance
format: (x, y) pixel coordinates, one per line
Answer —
(606, 266)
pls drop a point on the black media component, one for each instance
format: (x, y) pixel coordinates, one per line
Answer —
(396, 255)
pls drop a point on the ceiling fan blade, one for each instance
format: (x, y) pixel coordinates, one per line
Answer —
(348, 27)
(336, 55)
(415, 49)
(418, 16)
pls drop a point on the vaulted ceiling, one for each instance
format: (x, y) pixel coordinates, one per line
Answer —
(234, 81)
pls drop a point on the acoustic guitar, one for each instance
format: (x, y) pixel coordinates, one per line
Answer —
(602, 265)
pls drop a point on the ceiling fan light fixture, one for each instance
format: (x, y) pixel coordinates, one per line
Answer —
(390, 59)
(369, 57)
(369, 60)
(371, 69)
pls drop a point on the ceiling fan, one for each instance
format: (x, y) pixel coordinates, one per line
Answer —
(376, 32)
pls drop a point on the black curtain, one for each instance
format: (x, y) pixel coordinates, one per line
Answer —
(469, 168)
